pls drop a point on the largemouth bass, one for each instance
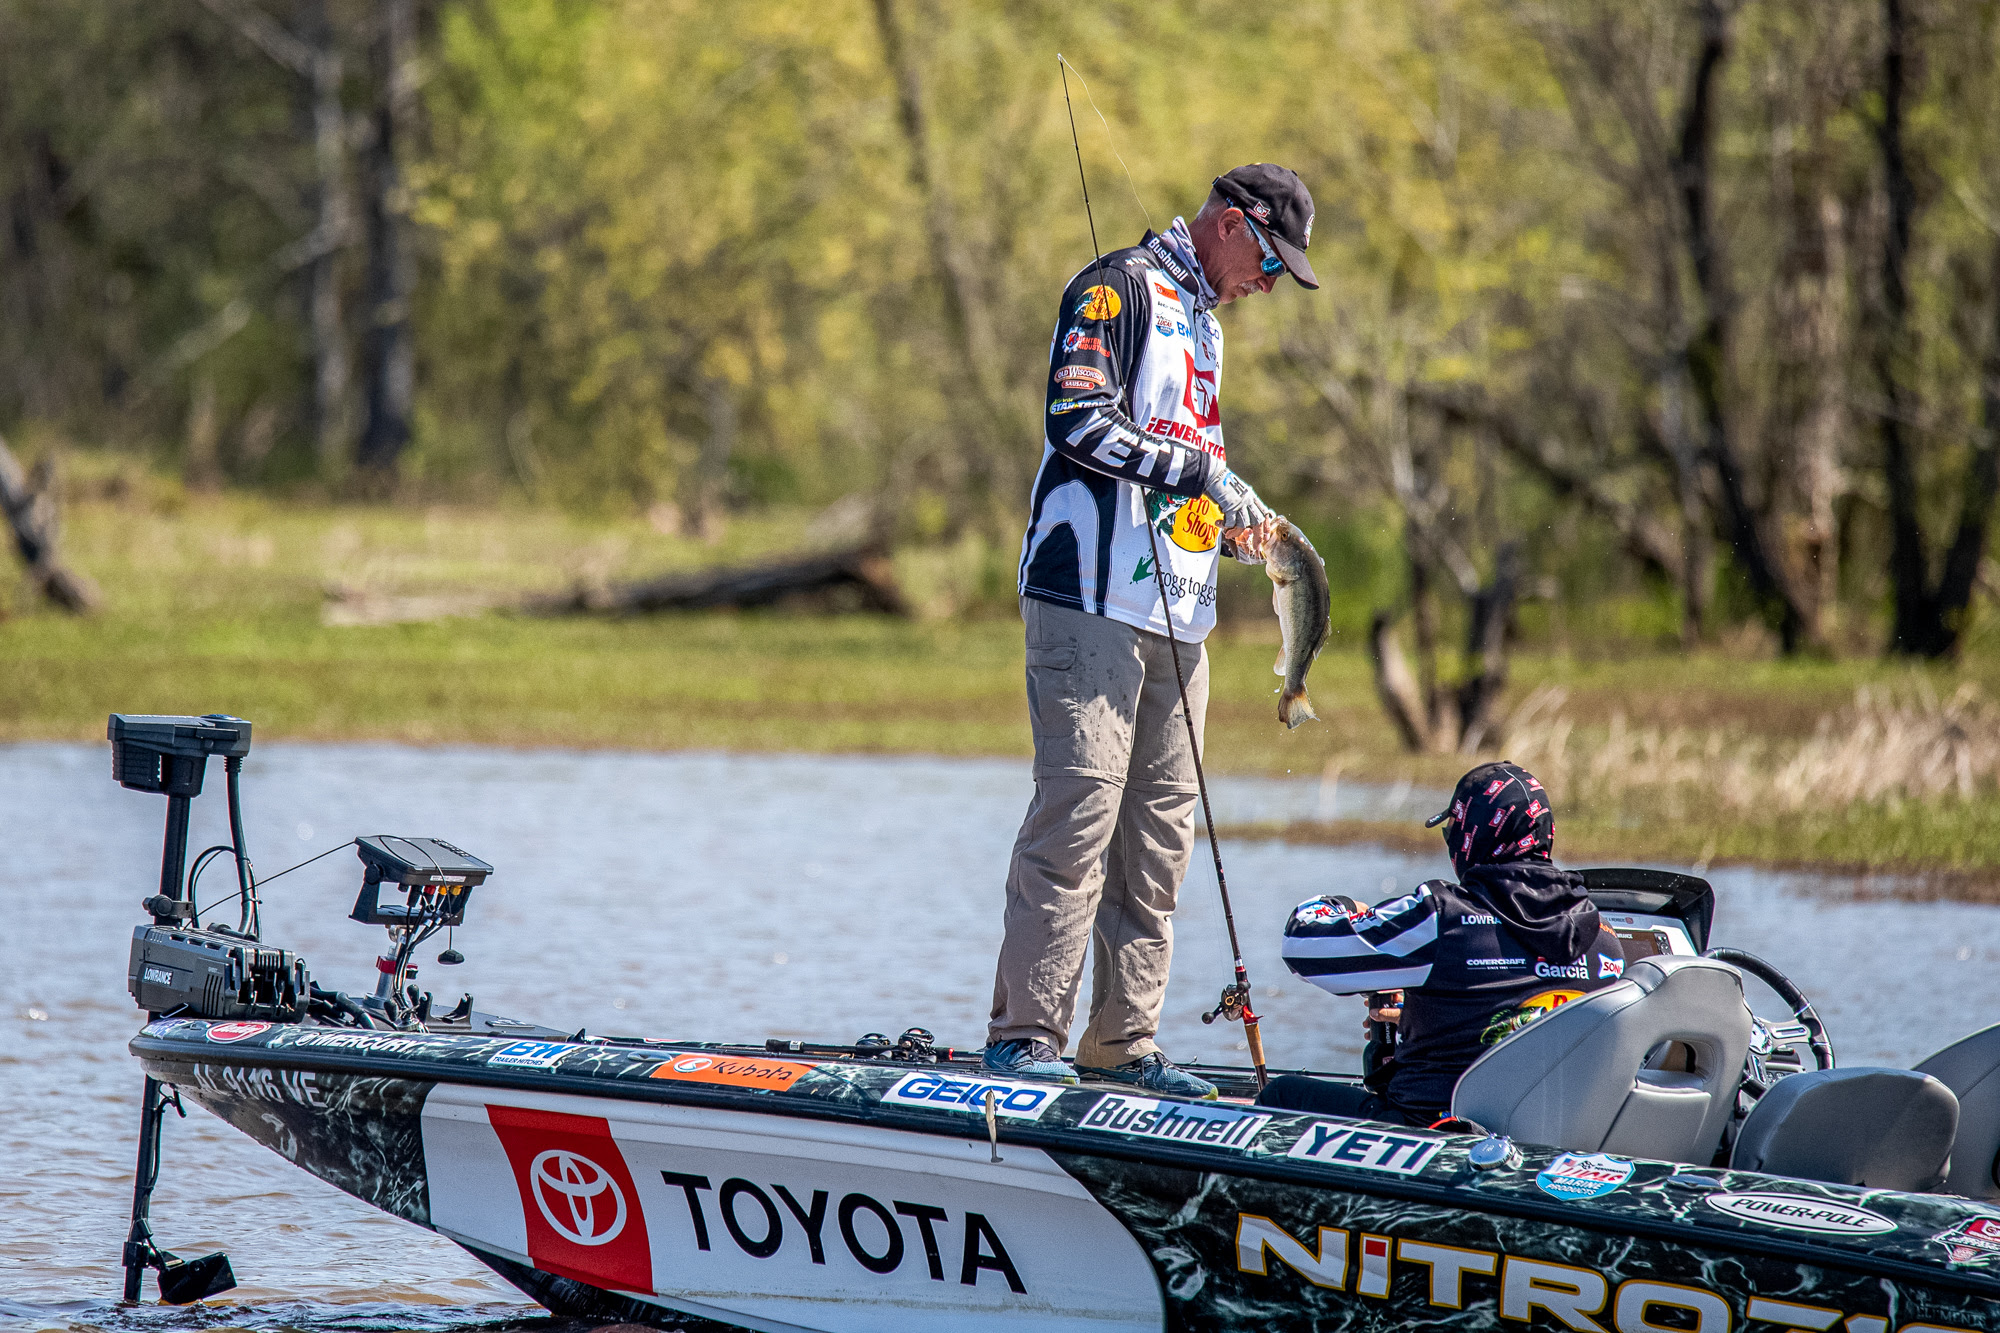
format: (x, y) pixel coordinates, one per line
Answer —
(1302, 599)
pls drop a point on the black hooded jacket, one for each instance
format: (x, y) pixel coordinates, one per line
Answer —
(1476, 960)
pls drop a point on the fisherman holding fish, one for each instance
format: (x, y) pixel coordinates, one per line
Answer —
(1133, 472)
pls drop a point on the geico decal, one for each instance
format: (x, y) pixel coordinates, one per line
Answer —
(868, 1228)
(1580, 1299)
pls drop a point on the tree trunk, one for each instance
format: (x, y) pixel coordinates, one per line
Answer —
(862, 578)
(1706, 355)
(704, 498)
(391, 267)
(331, 373)
(965, 320)
(1487, 621)
(30, 513)
(1982, 487)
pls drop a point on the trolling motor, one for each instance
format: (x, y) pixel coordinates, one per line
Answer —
(179, 967)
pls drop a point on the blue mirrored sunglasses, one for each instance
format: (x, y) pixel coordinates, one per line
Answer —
(1272, 264)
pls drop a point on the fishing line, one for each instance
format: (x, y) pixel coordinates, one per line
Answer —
(1235, 1003)
(1110, 142)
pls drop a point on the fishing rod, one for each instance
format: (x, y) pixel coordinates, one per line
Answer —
(1235, 1002)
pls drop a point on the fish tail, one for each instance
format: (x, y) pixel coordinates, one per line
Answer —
(1294, 709)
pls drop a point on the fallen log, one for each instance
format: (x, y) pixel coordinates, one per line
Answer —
(859, 578)
(30, 511)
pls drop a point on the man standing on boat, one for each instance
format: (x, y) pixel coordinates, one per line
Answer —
(1133, 471)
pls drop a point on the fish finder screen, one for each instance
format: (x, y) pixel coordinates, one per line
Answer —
(1643, 943)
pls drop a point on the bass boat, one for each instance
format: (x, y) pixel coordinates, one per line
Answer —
(1647, 1156)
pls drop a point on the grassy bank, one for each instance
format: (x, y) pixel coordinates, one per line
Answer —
(296, 616)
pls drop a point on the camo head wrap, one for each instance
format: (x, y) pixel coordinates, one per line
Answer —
(1498, 813)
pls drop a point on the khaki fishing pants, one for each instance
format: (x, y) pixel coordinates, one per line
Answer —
(1101, 853)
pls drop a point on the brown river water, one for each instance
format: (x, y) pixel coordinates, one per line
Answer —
(699, 896)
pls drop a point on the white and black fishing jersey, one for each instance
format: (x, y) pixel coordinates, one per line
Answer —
(1466, 958)
(1132, 432)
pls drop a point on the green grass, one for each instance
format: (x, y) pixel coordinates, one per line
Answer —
(220, 603)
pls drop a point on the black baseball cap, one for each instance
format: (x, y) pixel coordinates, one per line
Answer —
(1282, 206)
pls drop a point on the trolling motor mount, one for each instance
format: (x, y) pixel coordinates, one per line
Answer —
(176, 966)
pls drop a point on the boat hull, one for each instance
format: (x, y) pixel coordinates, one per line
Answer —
(703, 1188)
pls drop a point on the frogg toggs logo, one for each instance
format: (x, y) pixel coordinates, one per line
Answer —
(577, 1197)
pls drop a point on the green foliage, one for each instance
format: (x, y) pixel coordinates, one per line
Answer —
(684, 256)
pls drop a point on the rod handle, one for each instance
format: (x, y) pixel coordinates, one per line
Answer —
(1253, 1034)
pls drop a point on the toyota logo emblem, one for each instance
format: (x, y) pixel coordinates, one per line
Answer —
(577, 1197)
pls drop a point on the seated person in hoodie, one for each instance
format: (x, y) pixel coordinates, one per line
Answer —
(1474, 961)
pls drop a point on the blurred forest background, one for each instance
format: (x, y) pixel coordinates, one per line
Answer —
(1686, 310)
(1657, 363)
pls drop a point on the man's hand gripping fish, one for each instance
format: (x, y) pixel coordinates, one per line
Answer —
(1300, 595)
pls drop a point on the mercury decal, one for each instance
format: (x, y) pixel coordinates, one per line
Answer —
(1795, 1212)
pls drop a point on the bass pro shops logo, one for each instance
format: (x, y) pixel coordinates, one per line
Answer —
(577, 1197)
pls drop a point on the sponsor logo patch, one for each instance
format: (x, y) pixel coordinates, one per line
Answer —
(577, 1197)
(1177, 430)
(1013, 1101)
(531, 1054)
(1567, 972)
(1479, 919)
(1971, 1241)
(1077, 341)
(1076, 378)
(1198, 395)
(1181, 1122)
(1164, 325)
(1062, 405)
(381, 1043)
(236, 1031)
(1166, 291)
(1607, 966)
(1373, 1150)
(734, 1071)
(1795, 1212)
(1197, 524)
(1576, 1175)
(1098, 303)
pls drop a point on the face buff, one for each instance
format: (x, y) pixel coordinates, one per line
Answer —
(1181, 244)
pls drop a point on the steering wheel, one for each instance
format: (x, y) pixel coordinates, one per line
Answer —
(1765, 1037)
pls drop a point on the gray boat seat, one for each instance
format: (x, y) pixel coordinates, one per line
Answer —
(1971, 1069)
(1886, 1129)
(1587, 1077)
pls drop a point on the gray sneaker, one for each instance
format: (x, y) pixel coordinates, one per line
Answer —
(1032, 1059)
(1155, 1073)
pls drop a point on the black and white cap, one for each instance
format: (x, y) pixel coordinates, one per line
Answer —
(1280, 203)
